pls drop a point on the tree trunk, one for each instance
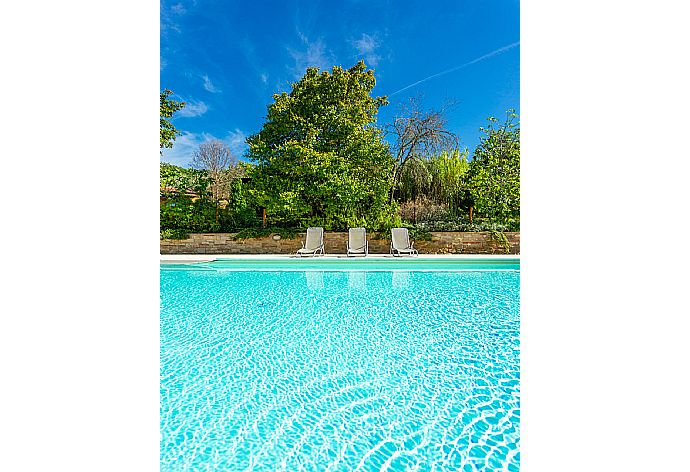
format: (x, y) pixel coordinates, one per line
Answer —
(394, 184)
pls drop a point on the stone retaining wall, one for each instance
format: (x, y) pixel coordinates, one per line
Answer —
(336, 243)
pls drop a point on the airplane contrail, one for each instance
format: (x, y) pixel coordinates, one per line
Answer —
(474, 61)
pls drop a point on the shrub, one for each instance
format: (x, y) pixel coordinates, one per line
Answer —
(250, 233)
(424, 210)
(463, 226)
(420, 234)
(181, 212)
(174, 234)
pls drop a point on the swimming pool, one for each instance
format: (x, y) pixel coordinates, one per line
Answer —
(340, 365)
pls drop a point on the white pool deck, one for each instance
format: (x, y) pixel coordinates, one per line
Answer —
(195, 258)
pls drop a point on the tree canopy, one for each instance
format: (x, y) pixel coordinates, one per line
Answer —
(174, 179)
(168, 108)
(494, 173)
(320, 157)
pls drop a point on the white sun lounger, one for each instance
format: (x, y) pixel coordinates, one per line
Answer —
(357, 243)
(313, 243)
(400, 243)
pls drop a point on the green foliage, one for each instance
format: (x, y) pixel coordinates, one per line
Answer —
(174, 179)
(168, 108)
(181, 212)
(442, 179)
(512, 224)
(418, 134)
(386, 220)
(494, 174)
(418, 233)
(174, 234)
(241, 211)
(189, 205)
(249, 233)
(463, 225)
(501, 239)
(320, 158)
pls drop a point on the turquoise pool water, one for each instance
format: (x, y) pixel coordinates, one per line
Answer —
(362, 366)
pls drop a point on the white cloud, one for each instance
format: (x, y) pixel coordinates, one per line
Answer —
(208, 85)
(178, 9)
(264, 77)
(167, 26)
(302, 37)
(169, 19)
(493, 53)
(366, 47)
(192, 108)
(315, 55)
(236, 141)
(182, 152)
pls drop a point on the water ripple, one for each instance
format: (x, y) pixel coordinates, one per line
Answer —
(339, 371)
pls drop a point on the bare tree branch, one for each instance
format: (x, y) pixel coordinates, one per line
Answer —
(217, 159)
(419, 134)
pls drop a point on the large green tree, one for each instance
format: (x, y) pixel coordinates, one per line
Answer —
(320, 157)
(168, 108)
(494, 173)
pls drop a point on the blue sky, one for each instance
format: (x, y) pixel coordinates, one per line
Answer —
(226, 59)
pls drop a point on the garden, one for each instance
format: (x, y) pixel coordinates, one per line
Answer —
(322, 159)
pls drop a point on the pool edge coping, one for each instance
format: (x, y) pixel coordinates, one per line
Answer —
(198, 258)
